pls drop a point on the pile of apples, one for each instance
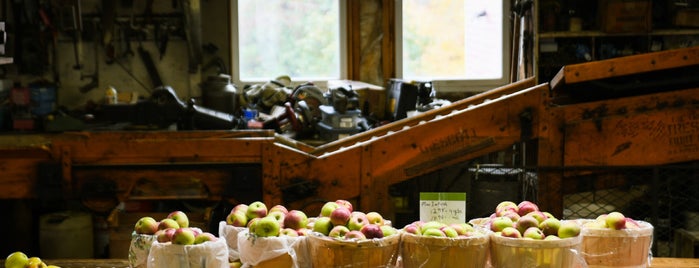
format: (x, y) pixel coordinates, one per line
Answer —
(340, 221)
(614, 220)
(525, 220)
(263, 222)
(439, 229)
(174, 228)
(18, 259)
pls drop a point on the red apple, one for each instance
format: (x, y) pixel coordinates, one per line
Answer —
(372, 231)
(355, 235)
(295, 219)
(281, 208)
(538, 215)
(525, 222)
(510, 232)
(462, 228)
(279, 215)
(328, 208)
(165, 235)
(240, 207)
(237, 218)
(183, 236)
(524, 207)
(533, 233)
(615, 220)
(340, 216)
(303, 231)
(412, 229)
(505, 206)
(168, 223)
(180, 217)
(288, 232)
(345, 203)
(550, 226)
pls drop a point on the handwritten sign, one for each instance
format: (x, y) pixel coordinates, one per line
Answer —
(443, 207)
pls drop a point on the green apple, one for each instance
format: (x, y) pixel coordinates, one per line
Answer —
(434, 232)
(146, 225)
(375, 218)
(462, 228)
(322, 225)
(355, 235)
(204, 237)
(267, 226)
(256, 209)
(357, 220)
(183, 236)
(449, 231)
(388, 230)
(510, 232)
(497, 224)
(16, 260)
(505, 206)
(550, 226)
(615, 220)
(568, 229)
(35, 262)
(180, 217)
(338, 231)
(168, 223)
(288, 232)
(237, 218)
(533, 233)
(328, 208)
(431, 225)
(525, 222)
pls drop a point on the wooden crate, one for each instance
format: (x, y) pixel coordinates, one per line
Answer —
(625, 16)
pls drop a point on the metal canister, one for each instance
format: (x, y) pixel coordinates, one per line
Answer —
(218, 93)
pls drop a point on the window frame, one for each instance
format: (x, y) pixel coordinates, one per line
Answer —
(455, 85)
(235, 49)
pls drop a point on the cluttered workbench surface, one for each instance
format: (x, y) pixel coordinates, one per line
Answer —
(123, 263)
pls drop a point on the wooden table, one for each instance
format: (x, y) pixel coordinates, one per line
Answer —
(123, 263)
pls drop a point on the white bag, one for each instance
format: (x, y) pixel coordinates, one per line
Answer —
(212, 254)
(254, 250)
(139, 249)
(230, 234)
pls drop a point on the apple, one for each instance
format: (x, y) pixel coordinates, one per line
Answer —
(511, 214)
(615, 220)
(375, 218)
(550, 226)
(538, 215)
(303, 231)
(168, 223)
(372, 231)
(340, 216)
(412, 229)
(183, 236)
(434, 232)
(500, 223)
(256, 209)
(35, 262)
(524, 207)
(165, 235)
(345, 203)
(505, 206)
(357, 220)
(235, 264)
(533, 233)
(449, 231)
(252, 224)
(281, 208)
(288, 232)
(355, 235)
(431, 225)
(240, 207)
(180, 217)
(388, 230)
(338, 231)
(510, 232)
(568, 229)
(552, 237)
(146, 225)
(328, 208)
(525, 222)
(279, 215)
(204, 237)
(295, 219)
(267, 226)
(632, 224)
(322, 225)
(462, 228)
(237, 218)
(16, 259)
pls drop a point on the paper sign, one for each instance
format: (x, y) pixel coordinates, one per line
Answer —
(443, 207)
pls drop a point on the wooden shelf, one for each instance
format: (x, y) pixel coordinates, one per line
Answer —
(586, 34)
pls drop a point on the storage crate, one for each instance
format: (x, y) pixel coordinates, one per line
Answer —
(625, 16)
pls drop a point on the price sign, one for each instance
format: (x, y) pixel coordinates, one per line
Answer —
(443, 207)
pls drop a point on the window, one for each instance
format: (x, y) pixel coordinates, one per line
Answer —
(304, 39)
(454, 43)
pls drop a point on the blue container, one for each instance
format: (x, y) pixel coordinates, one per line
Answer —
(43, 100)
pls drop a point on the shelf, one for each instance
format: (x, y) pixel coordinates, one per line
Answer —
(568, 34)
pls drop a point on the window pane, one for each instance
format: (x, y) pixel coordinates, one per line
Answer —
(296, 38)
(452, 39)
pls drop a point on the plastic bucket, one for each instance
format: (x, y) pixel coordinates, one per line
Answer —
(65, 235)
(371, 253)
(428, 252)
(617, 248)
(525, 253)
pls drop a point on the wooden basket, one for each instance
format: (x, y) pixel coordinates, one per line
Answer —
(428, 252)
(520, 253)
(372, 253)
(617, 248)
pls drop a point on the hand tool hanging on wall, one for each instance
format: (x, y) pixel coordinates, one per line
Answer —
(77, 33)
(192, 26)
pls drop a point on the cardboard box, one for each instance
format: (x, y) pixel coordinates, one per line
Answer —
(625, 16)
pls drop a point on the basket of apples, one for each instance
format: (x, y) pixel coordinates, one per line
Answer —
(171, 242)
(614, 240)
(262, 237)
(343, 237)
(436, 244)
(532, 237)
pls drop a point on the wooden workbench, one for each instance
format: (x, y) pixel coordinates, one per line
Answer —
(123, 263)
